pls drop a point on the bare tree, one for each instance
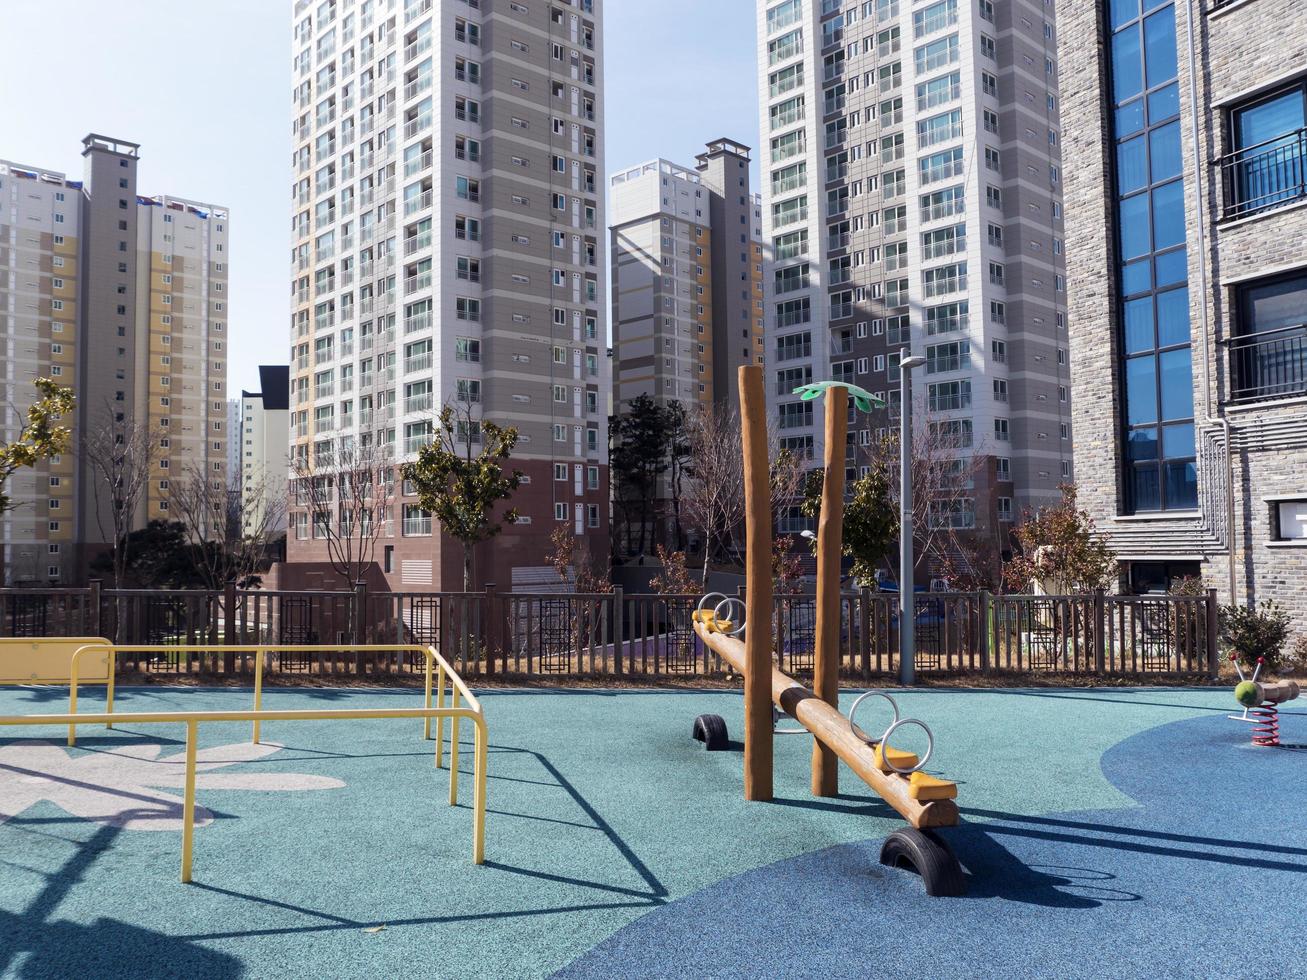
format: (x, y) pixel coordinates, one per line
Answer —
(231, 532)
(714, 499)
(119, 454)
(945, 466)
(347, 494)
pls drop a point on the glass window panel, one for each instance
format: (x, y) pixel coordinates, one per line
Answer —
(1145, 491)
(1172, 267)
(1139, 324)
(1272, 118)
(1123, 11)
(1135, 278)
(1159, 46)
(1178, 441)
(1164, 152)
(1127, 72)
(1130, 118)
(1181, 485)
(1141, 390)
(1134, 226)
(1274, 305)
(1168, 215)
(1141, 445)
(1131, 165)
(1173, 318)
(1164, 103)
(1177, 384)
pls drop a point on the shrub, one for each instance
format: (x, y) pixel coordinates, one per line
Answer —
(1297, 658)
(1256, 631)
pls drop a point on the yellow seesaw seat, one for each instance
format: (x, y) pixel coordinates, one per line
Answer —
(924, 787)
(710, 620)
(904, 760)
(920, 785)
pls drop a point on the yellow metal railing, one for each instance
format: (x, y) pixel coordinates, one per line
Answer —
(436, 666)
(193, 719)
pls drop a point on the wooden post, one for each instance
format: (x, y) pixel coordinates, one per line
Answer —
(1100, 634)
(359, 606)
(94, 599)
(758, 579)
(228, 626)
(982, 604)
(826, 645)
(616, 629)
(1213, 628)
(489, 632)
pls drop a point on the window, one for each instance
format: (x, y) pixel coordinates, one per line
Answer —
(1267, 353)
(1266, 166)
(560, 511)
(1160, 449)
(1289, 520)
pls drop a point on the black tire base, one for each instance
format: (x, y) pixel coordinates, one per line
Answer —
(711, 731)
(925, 854)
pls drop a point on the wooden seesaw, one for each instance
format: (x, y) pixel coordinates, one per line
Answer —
(924, 801)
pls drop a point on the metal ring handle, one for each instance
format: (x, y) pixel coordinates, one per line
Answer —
(854, 710)
(704, 600)
(727, 603)
(930, 745)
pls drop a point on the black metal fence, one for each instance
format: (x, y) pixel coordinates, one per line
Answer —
(615, 634)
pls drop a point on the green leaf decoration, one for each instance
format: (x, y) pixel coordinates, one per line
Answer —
(862, 398)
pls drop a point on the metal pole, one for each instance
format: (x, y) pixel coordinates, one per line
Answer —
(907, 600)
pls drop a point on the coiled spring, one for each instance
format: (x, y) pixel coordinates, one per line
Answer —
(1266, 724)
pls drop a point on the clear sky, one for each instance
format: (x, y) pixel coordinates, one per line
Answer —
(204, 87)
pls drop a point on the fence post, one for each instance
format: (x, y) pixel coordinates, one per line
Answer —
(985, 629)
(1100, 633)
(619, 638)
(359, 602)
(864, 633)
(489, 627)
(1213, 629)
(94, 622)
(229, 626)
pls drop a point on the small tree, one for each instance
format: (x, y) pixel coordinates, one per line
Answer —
(638, 456)
(1060, 548)
(347, 494)
(1254, 632)
(674, 579)
(462, 487)
(714, 501)
(577, 567)
(119, 454)
(40, 436)
(160, 556)
(232, 532)
(871, 521)
(680, 465)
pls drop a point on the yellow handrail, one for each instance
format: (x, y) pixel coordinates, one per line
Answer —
(434, 661)
(193, 719)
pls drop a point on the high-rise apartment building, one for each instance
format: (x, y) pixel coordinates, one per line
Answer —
(447, 219)
(1186, 150)
(123, 297)
(687, 278)
(912, 186)
(264, 445)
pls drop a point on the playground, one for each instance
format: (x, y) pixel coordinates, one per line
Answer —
(791, 829)
(1115, 832)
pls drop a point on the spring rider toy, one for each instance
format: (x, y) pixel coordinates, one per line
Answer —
(1261, 703)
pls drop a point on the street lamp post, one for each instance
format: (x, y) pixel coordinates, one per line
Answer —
(907, 600)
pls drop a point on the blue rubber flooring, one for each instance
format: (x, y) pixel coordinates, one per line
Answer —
(1108, 833)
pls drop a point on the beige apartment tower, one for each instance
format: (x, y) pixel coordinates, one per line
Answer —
(447, 223)
(123, 297)
(687, 278)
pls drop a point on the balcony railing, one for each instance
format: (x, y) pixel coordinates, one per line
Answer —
(1268, 175)
(421, 362)
(418, 403)
(1270, 364)
(416, 525)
